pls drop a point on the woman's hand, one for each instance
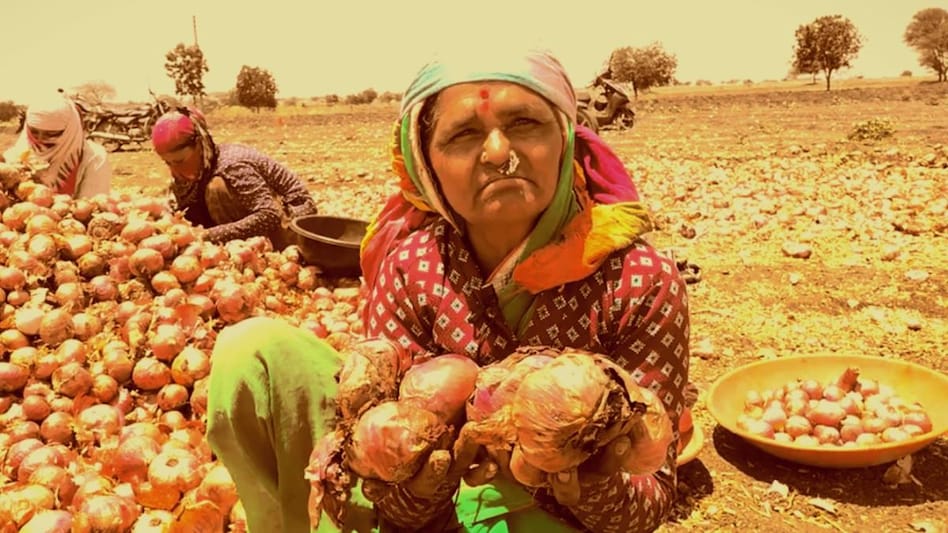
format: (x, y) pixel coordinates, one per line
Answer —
(440, 474)
(567, 485)
(639, 449)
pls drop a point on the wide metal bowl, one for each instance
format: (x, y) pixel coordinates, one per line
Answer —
(331, 243)
(912, 382)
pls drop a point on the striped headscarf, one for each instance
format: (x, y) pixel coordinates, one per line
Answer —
(55, 112)
(594, 210)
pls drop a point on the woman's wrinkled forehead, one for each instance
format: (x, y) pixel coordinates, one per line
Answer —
(472, 100)
(536, 70)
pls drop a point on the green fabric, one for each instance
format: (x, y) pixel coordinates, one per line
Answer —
(517, 304)
(269, 400)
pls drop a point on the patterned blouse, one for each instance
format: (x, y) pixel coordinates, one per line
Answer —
(432, 298)
(256, 182)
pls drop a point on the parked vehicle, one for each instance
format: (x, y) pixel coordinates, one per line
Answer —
(115, 127)
(604, 104)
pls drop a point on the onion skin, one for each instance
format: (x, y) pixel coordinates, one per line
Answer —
(57, 428)
(190, 365)
(174, 469)
(564, 411)
(390, 441)
(72, 379)
(49, 521)
(97, 422)
(218, 487)
(369, 376)
(133, 456)
(105, 512)
(440, 385)
(12, 377)
(19, 503)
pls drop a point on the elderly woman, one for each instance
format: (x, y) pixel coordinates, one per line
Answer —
(512, 228)
(233, 191)
(53, 135)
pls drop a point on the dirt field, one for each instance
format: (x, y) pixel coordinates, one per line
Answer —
(734, 178)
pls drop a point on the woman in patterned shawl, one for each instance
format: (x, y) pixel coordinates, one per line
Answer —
(233, 190)
(512, 227)
(53, 134)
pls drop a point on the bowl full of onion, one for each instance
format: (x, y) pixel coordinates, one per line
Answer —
(331, 242)
(833, 411)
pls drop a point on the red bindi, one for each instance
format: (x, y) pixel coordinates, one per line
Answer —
(485, 100)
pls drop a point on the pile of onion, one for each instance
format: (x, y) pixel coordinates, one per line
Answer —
(109, 310)
(847, 412)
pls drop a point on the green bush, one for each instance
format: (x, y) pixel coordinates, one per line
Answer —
(874, 129)
(365, 97)
(8, 111)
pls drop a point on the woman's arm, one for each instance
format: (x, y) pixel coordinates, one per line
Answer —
(397, 310)
(96, 177)
(295, 196)
(250, 190)
(649, 310)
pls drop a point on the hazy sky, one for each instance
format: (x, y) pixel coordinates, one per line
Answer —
(318, 47)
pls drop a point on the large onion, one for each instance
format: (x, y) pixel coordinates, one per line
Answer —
(105, 512)
(56, 326)
(391, 439)
(440, 385)
(146, 262)
(565, 410)
(12, 377)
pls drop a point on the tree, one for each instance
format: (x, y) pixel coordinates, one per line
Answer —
(645, 67)
(927, 33)
(826, 45)
(186, 66)
(804, 60)
(256, 88)
(95, 92)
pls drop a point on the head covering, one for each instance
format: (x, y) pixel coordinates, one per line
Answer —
(534, 69)
(56, 112)
(594, 210)
(176, 129)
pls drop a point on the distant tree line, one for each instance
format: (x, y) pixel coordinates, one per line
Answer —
(824, 46)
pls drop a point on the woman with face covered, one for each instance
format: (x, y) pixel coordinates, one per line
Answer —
(512, 227)
(53, 136)
(233, 191)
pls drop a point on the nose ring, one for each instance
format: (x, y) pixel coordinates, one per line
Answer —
(510, 166)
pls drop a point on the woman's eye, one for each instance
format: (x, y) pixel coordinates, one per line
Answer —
(524, 121)
(464, 134)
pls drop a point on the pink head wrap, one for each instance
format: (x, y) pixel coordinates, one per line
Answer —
(175, 129)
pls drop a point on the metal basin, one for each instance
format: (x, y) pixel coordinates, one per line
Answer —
(331, 243)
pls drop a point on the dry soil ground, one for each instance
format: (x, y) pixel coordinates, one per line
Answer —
(734, 177)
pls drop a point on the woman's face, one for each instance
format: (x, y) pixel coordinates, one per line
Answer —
(476, 125)
(185, 163)
(45, 138)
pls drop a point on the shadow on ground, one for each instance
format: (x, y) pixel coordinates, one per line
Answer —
(860, 486)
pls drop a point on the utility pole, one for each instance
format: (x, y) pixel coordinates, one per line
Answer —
(194, 24)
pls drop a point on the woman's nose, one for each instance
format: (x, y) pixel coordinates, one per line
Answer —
(496, 148)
